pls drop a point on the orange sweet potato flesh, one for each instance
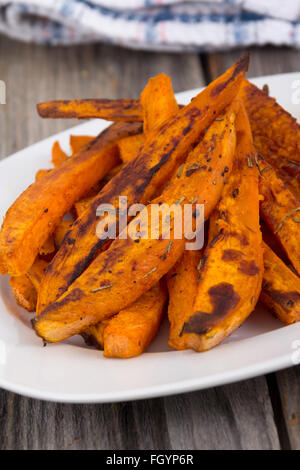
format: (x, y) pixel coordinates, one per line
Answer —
(79, 141)
(58, 155)
(129, 147)
(41, 173)
(24, 291)
(182, 284)
(276, 134)
(140, 179)
(280, 288)
(48, 247)
(161, 104)
(281, 211)
(131, 331)
(35, 214)
(126, 110)
(120, 275)
(231, 273)
(37, 272)
(61, 231)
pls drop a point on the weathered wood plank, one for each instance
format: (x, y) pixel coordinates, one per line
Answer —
(268, 61)
(289, 386)
(264, 61)
(34, 74)
(237, 416)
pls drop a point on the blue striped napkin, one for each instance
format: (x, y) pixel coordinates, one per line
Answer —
(171, 25)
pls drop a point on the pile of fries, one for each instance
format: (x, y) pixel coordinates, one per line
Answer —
(232, 149)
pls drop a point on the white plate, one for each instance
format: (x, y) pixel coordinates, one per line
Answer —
(71, 372)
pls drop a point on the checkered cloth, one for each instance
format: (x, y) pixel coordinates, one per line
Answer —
(172, 25)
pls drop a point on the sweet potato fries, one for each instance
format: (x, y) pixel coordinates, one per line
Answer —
(107, 273)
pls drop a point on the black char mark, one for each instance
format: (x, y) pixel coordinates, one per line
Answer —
(242, 64)
(249, 268)
(286, 300)
(223, 299)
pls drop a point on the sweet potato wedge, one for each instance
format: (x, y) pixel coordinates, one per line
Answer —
(112, 110)
(24, 291)
(79, 141)
(158, 102)
(182, 282)
(36, 213)
(281, 211)
(58, 155)
(37, 272)
(61, 231)
(130, 267)
(232, 268)
(48, 247)
(94, 335)
(129, 147)
(130, 332)
(276, 134)
(280, 288)
(140, 179)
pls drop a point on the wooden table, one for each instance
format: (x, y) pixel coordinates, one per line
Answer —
(262, 413)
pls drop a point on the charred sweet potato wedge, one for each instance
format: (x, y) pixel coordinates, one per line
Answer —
(232, 267)
(126, 110)
(132, 330)
(94, 335)
(130, 267)
(276, 134)
(140, 179)
(182, 282)
(280, 210)
(280, 288)
(24, 291)
(35, 214)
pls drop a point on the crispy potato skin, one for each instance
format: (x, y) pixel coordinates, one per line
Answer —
(24, 291)
(278, 201)
(182, 283)
(128, 268)
(112, 110)
(276, 134)
(35, 214)
(79, 141)
(280, 288)
(231, 275)
(130, 332)
(158, 102)
(140, 179)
